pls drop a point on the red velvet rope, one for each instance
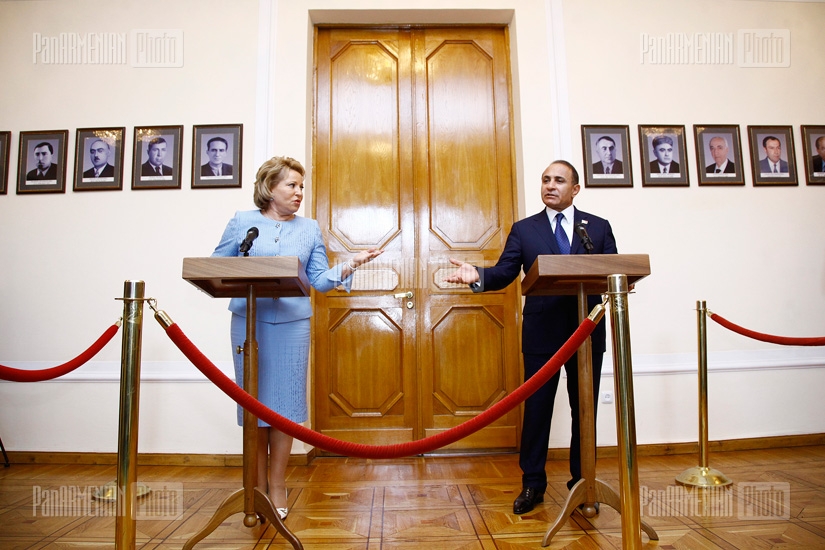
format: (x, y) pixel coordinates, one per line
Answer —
(782, 340)
(22, 375)
(358, 450)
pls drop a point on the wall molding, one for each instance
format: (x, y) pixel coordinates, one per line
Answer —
(236, 460)
(784, 359)
(109, 371)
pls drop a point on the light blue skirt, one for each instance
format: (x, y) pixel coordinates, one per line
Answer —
(283, 358)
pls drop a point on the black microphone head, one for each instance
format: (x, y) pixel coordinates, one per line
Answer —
(581, 231)
(251, 235)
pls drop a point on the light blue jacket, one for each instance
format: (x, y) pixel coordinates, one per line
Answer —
(299, 237)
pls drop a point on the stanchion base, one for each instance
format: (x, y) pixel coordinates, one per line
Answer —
(700, 476)
(108, 492)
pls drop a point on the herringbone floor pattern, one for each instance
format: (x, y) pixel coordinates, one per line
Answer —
(451, 503)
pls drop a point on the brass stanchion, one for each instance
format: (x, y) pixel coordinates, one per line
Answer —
(703, 475)
(625, 414)
(126, 496)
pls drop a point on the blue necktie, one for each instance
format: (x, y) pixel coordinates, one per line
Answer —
(561, 236)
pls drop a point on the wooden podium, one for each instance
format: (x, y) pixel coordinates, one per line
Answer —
(581, 275)
(250, 278)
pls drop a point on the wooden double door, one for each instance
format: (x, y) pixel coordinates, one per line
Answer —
(414, 155)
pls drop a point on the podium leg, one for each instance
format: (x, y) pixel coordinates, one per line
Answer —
(584, 492)
(249, 500)
(234, 504)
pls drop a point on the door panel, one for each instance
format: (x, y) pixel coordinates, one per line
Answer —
(413, 154)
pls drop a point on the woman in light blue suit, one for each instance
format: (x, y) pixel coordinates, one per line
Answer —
(282, 324)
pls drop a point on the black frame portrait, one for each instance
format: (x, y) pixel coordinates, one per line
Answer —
(810, 134)
(232, 135)
(759, 167)
(593, 171)
(172, 138)
(5, 148)
(652, 175)
(26, 164)
(111, 179)
(703, 134)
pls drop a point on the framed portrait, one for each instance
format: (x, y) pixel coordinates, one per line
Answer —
(157, 157)
(773, 160)
(813, 148)
(718, 154)
(216, 155)
(664, 156)
(98, 159)
(42, 163)
(5, 144)
(606, 151)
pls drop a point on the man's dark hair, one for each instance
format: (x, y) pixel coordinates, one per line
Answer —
(209, 143)
(44, 144)
(769, 138)
(572, 169)
(154, 141)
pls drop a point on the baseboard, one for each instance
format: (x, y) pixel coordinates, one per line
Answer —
(655, 449)
(145, 459)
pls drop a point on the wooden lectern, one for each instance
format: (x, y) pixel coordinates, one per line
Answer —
(581, 275)
(250, 278)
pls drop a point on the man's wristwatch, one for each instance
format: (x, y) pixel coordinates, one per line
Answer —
(476, 286)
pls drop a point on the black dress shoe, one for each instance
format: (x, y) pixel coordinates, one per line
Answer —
(529, 497)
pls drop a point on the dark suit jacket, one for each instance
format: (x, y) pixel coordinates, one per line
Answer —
(149, 170)
(51, 174)
(226, 170)
(765, 166)
(598, 168)
(674, 167)
(548, 320)
(108, 172)
(729, 169)
(817, 164)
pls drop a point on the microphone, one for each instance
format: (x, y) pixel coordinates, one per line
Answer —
(581, 231)
(251, 235)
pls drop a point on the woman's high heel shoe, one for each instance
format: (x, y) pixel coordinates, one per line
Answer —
(282, 512)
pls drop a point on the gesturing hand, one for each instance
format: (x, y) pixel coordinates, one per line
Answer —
(465, 273)
(365, 256)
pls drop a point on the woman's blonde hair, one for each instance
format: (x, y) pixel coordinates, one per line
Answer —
(269, 175)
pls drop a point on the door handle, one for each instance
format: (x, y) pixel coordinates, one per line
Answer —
(408, 296)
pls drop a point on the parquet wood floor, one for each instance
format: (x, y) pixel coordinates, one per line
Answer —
(450, 503)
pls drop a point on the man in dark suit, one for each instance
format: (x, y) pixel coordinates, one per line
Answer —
(156, 150)
(215, 150)
(45, 168)
(608, 164)
(719, 151)
(772, 163)
(99, 154)
(549, 321)
(663, 151)
(818, 161)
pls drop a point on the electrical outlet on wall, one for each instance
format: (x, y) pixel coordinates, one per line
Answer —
(607, 397)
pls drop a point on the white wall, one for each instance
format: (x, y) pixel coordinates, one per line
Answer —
(65, 257)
